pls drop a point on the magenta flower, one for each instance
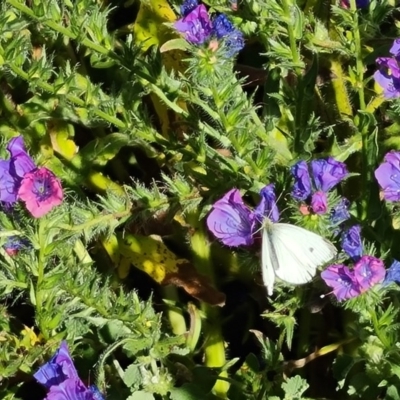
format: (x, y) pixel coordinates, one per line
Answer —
(13, 170)
(328, 173)
(231, 220)
(388, 74)
(302, 181)
(351, 242)
(388, 176)
(319, 203)
(41, 191)
(369, 271)
(342, 281)
(196, 26)
(61, 379)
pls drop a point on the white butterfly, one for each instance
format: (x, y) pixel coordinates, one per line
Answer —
(292, 254)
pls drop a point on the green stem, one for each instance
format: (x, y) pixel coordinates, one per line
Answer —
(214, 348)
(359, 58)
(174, 314)
(292, 37)
(96, 221)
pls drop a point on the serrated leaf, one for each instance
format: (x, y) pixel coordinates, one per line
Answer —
(137, 344)
(294, 387)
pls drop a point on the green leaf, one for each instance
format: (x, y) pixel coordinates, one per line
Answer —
(175, 44)
(100, 151)
(294, 387)
(132, 376)
(392, 393)
(140, 395)
(190, 391)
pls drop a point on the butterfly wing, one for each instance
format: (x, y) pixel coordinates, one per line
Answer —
(268, 260)
(294, 253)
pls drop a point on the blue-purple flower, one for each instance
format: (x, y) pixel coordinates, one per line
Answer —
(302, 181)
(392, 274)
(234, 223)
(14, 169)
(14, 244)
(267, 206)
(327, 173)
(188, 6)
(351, 242)
(368, 271)
(359, 3)
(340, 213)
(388, 176)
(388, 74)
(313, 187)
(342, 280)
(60, 378)
(197, 27)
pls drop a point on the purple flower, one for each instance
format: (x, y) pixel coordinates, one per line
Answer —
(369, 271)
(188, 6)
(388, 176)
(392, 274)
(342, 280)
(196, 26)
(58, 369)
(231, 220)
(351, 242)
(61, 379)
(14, 169)
(328, 173)
(340, 212)
(267, 207)
(319, 203)
(302, 181)
(388, 74)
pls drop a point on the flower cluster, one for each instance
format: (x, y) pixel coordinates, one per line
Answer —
(366, 273)
(61, 379)
(21, 179)
(313, 181)
(198, 28)
(235, 224)
(388, 74)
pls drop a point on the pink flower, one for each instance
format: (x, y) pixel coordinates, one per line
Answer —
(40, 190)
